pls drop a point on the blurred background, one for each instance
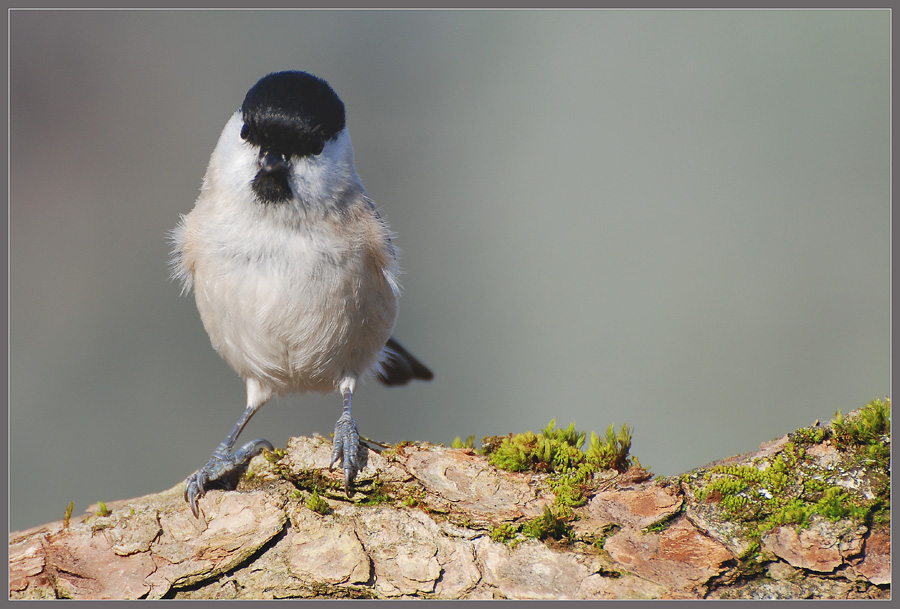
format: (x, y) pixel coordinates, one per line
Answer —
(677, 220)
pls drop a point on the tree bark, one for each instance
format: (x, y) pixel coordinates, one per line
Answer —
(434, 522)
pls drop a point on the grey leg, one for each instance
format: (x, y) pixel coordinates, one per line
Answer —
(346, 442)
(223, 463)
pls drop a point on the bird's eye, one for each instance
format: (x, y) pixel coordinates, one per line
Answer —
(318, 147)
(245, 131)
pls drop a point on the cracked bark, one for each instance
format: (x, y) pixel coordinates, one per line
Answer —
(422, 531)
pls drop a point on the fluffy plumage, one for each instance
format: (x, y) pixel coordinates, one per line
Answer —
(293, 270)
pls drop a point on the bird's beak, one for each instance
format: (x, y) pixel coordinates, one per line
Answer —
(271, 162)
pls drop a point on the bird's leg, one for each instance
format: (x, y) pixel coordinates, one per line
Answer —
(223, 462)
(346, 439)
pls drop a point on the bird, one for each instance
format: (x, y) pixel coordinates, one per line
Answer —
(293, 270)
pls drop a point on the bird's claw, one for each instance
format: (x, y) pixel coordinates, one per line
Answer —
(220, 466)
(346, 447)
(194, 488)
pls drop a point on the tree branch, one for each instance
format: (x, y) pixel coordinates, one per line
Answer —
(434, 522)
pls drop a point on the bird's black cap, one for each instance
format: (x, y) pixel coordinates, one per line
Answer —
(291, 113)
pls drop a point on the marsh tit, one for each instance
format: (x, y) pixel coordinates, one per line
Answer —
(293, 270)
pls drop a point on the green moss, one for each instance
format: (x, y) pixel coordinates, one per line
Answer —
(378, 495)
(67, 515)
(751, 552)
(867, 432)
(605, 533)
(103, 511)
(868, 427)
(777, 495)
(515, 454)
(413, 496)
(312, 480)
(795, 511)
(837, 504)
(558, 452)
(317, 504)
(752, 562)
(568, 436)
(504, 532)
(658, 527)
(814, 488)
(553, 450)
(569, 489)
(274, 456)
(879, 453)
(613, 452)
(490, 444)
(281, 467)
(810, 435)
(789, 489)
(882, 505)
(882, 515)
(547, 525)
(458, 443)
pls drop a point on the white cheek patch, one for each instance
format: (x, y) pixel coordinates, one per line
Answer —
(234, 159)
(316, 180)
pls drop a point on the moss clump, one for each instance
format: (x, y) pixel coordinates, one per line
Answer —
(67, 515)
(490, 444)
(273, 456)
(867, 434)
(504, 532)
(276, 458)
(415, 497)
(317, 504)
(809, 435)
(790, 487)
(551, 450)
(549, 524)
(867, 431)
(515, 452)
(559, 450)
(458, 443)
(103, 511)
(613, 452)
(378, 495)
(778, 494)
(868, 427)
(312, 480)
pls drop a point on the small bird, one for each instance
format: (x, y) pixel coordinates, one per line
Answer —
(293, 271)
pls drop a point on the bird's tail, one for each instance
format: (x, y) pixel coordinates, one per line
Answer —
(399, 366)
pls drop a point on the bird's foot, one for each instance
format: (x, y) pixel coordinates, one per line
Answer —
(220, 468)
(346, 447)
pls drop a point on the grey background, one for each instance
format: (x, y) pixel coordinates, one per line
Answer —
(674, 219)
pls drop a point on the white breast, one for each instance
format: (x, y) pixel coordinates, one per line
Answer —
(297, 297)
